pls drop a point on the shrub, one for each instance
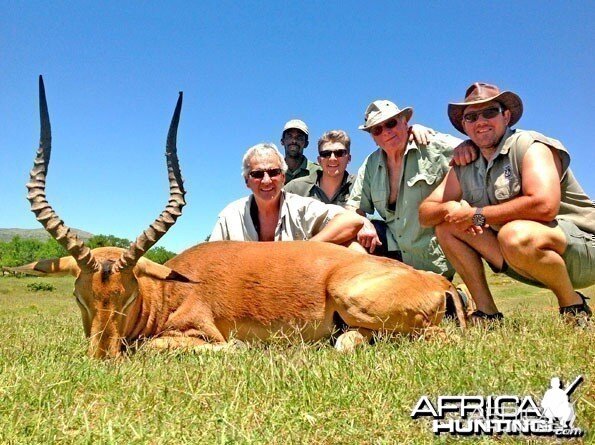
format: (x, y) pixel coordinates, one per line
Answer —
(39, 286)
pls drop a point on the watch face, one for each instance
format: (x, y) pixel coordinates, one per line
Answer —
(479, 220)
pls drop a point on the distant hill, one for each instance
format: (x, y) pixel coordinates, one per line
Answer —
(38, 234)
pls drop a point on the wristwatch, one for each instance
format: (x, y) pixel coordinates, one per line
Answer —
(479, 219)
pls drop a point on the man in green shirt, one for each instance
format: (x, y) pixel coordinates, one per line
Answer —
(332, 184)
(393, 181)
(294, 140)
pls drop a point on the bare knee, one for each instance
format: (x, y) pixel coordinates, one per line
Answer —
(444, 231)
(517, 239)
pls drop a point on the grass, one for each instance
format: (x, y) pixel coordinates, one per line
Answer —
(50, 392)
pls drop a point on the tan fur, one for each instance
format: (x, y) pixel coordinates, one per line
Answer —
(214, 291)
(245, 290)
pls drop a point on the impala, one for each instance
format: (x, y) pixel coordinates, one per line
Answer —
(213, 292)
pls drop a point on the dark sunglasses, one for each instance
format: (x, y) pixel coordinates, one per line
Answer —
(328, 153)
(259, 174)
(487, 113)
(378, 129)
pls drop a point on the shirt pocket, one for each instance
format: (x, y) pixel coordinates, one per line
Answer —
(422, 179)
(379, 198)
(506, 188)
(474, 197)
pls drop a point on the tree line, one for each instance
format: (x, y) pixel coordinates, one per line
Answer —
(21, 251)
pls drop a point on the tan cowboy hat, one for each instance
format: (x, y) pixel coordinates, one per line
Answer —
(382, 110)
(480, 93)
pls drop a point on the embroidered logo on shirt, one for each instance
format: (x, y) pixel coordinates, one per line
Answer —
(507, 171)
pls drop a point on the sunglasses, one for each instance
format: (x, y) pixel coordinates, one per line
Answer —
(328, 153)
(378, 129)
(487, 113)
(259, 174)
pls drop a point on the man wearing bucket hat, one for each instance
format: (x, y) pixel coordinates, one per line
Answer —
(295, 139)
(518, 206)
(393, 181)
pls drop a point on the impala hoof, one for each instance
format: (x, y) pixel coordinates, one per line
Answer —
(348, 341)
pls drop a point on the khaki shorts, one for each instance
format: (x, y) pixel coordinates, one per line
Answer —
(579, 257)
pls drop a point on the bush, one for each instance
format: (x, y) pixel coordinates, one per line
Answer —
(39, 286)
(159, 255)
(20, 251)
(23, 251)
(107, 241)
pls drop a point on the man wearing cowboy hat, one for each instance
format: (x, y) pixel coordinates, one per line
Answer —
(393, 181)
(294, 140)
(518, 206)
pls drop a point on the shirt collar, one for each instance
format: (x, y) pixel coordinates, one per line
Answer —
(411, 145)
(502, 146)
(303, 166)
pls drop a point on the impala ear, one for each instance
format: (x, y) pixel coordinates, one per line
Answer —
(54, 266)
(150, 269)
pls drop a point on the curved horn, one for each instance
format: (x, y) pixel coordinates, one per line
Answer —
(174, 206)
(36, 196)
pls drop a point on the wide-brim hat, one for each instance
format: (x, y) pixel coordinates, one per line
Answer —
(480, 93)
(382, 110)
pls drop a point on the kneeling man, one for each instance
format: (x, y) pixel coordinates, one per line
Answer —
(518, 206)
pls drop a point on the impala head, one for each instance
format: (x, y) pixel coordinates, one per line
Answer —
(106, 285)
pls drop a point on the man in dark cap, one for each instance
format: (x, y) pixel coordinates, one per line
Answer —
(518, 206)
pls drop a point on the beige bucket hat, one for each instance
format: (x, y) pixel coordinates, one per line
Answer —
(479, 93)
(382, 110)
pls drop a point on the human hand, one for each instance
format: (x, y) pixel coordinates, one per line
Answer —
(368, 237)
(464, 153)
(420, 134)
(461, 215)
(462, 212)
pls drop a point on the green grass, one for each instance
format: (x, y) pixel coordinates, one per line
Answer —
(50, 392)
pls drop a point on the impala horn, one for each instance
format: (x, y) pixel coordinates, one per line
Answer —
(36, 196)
(174, 206)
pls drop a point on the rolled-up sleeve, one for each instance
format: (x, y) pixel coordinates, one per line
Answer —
(316, 215)
(219, 232)
(360, 196)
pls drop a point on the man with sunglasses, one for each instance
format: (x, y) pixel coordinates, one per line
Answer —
(393, 181)
(333, 183)
(294, 140)
(518, 206)
(271, 214)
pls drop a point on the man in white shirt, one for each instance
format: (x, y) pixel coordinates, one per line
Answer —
(270, 214)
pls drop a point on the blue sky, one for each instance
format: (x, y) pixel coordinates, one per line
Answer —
(113, 70)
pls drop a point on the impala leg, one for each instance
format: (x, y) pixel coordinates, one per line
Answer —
(387, 298)
(432, 333)
(175, 342)
(194, 319)
(193, 344)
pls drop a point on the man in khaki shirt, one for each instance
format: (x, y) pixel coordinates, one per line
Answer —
(518, 206)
